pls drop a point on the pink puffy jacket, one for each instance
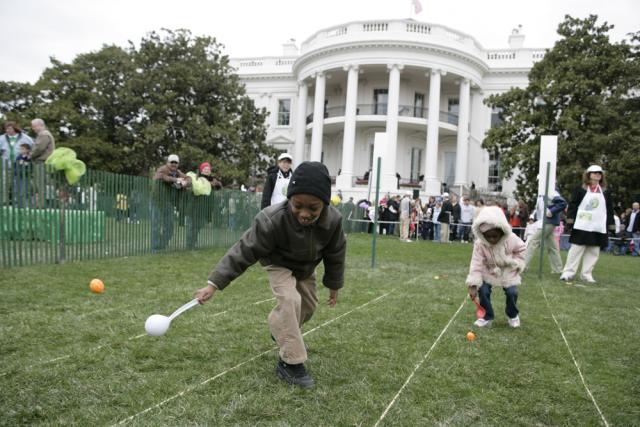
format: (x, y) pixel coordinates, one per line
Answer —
(499, 264)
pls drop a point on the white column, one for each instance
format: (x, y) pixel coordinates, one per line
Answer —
(432, 183)
(462, 145)
(389, 168)
(318, 119)
(344, 180)
(301, 123)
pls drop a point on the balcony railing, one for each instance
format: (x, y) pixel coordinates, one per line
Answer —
(398, 28)
(380, 109)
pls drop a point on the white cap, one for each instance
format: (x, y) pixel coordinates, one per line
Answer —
(285, 156)
(445, 195)
(173, 158)
(408, 193)
(594, 168)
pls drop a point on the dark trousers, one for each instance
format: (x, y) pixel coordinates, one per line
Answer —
(485, 300)
(161, 226)
(464, 228)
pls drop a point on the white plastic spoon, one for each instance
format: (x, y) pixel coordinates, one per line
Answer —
(157, 324)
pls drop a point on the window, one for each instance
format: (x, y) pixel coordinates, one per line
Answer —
(449, 168)
(416, 163)
(284, 112)
(418, 105)
(453, 110)
(494, 172)
(380, 99)
(495, 116)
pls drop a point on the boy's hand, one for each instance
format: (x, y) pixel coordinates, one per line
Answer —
(473, 292)
(333, 297)
(204, 294)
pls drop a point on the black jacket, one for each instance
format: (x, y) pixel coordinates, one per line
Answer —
(277, 238)
(446, 213)
(635, 227)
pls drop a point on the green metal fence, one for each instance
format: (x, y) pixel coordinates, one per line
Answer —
(43, 219)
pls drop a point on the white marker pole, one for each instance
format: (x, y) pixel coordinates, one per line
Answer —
(548, 153)
(546, 182)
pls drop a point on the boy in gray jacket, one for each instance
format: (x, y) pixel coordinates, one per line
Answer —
(290, 239)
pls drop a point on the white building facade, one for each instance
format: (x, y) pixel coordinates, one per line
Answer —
(421, 84)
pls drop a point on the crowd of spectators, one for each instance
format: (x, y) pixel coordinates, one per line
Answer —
(444, 219)
(22, 183)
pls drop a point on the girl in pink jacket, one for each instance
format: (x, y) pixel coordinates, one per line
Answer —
(497, 260)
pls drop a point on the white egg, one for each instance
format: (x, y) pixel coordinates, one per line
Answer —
(157, 325)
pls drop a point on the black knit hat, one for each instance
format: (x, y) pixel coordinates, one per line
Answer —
(311, 178)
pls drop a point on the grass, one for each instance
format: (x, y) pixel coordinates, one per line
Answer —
(69, 357)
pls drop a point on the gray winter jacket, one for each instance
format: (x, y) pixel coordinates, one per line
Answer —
(277, 238)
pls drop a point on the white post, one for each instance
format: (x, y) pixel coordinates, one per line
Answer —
(344, 180)
(318, 119)
(432, 183)
(388, 175)
(301, 123)
(380, 142)
(548, 153)
(462, 143)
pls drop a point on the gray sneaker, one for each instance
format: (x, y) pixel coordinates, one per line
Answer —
(294, 374)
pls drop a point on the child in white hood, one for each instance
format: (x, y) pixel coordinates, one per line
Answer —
(497, 260)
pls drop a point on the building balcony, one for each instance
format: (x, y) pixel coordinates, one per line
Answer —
(380, 109)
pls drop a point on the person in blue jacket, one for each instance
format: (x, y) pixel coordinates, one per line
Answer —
(546, 224)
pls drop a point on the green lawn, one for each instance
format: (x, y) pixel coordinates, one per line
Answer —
(69, 357)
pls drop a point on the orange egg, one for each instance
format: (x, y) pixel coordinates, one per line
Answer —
(471, 336)
(96, 286)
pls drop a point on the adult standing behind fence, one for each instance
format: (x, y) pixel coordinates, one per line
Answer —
(275, 188)
(10, 142)
(42, 149)
(200, 207)
(632, 229)
(590, 214)
(551, 220)
(405, 216)
(467, 212)
(168, 182)
(455, 218)
(444, 218)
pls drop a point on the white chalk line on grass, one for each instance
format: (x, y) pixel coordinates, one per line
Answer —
(265, 300)
(584, 383)
(208, 380)
(425, 357)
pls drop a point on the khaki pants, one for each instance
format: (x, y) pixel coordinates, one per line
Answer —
(444, 232)
(296, 302)
(550, 245)
(589, 255)
(404, 227)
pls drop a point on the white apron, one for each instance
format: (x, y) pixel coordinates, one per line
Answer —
(280, 188)
(592, 212)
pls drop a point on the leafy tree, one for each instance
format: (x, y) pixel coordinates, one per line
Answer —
(585, 90)
(125, 109)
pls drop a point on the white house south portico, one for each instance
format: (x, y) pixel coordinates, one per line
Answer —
(421, 84)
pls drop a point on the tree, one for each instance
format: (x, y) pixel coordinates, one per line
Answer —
(585, 90)
(125, 109)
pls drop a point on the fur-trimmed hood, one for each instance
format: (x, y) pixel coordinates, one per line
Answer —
(493, 216)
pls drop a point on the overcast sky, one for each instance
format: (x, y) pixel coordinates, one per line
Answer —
(34, 30)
